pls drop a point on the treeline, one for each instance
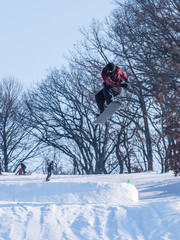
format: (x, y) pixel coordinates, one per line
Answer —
(143, 38)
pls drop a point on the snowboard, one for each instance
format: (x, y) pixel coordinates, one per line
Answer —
(108, 112)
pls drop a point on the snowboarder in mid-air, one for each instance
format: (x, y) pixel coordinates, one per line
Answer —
(113, 81)
(50, 170)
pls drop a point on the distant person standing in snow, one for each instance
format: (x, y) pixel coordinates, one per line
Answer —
(50, 170)
(23, 168)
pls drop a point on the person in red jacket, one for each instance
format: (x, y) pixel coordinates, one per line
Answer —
(113, 80)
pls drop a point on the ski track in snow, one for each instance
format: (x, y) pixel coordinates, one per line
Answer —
(155, 216)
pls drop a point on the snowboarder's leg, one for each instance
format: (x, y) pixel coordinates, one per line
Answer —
(107, 91)
(47, 179)
(116, 91)
(48, 176)
(110, 93)
(100, 100)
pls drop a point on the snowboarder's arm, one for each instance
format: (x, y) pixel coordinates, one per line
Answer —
(108, 83)
(123, 75)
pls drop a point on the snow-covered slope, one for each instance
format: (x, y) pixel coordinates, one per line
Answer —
(90, 207)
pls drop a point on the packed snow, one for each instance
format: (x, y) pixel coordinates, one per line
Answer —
(138, 206)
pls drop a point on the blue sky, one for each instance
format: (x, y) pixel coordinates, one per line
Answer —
(36, 34)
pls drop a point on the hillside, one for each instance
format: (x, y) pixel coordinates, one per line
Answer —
(90, 207)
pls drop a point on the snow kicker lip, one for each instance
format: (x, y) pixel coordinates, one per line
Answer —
(70, 192)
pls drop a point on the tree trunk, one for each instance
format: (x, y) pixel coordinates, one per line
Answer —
(147, 135)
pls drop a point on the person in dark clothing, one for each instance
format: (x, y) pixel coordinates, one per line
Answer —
(113, 81)
(23, 168)
(50, 170)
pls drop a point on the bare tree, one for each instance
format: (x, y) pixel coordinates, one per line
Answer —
(15, 144)
(61, 115)
(99, 46)
(142, 37)
(145, 36)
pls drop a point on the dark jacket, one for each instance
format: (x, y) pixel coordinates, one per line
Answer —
(23, 167)
(50, 167)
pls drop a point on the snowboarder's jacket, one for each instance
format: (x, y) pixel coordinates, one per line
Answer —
(114, 79)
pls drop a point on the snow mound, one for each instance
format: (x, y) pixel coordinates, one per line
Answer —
(31, 208)
(70, 192)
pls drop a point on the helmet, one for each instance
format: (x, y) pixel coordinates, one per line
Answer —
(110, 66)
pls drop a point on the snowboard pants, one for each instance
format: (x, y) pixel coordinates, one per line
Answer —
(105, 95)
(48, 176)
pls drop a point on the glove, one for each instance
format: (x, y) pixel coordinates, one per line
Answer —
(118, 84)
